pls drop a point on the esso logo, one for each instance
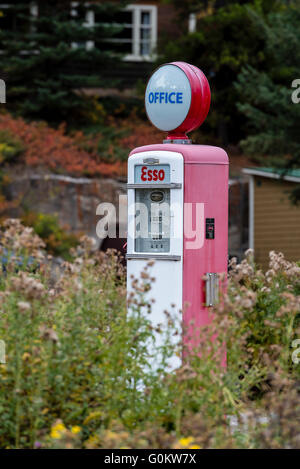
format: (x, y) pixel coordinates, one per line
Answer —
(154, 175)
(177, 98)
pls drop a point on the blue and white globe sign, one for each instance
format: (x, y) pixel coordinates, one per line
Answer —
(168, 97)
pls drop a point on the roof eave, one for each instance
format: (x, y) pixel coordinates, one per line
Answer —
(256, 172)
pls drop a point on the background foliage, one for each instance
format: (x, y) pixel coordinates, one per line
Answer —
(57, 240)
(227, 38)
(46, 62)
(36, 144)
(266, 96)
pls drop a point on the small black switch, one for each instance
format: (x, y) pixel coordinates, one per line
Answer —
(210, 228)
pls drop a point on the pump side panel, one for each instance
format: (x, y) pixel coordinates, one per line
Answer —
(207, 184)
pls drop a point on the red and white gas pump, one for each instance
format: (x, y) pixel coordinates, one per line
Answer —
(178, 201)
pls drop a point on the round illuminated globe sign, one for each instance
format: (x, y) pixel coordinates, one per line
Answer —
(177, 99)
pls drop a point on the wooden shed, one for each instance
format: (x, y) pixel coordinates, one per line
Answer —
(274, 222)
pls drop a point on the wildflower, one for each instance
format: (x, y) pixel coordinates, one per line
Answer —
(57, 430)
(16, 237)
(28, 285)
(186, 441)
(87, 243)
(59, 427)
(144, 275)
(92, 442)
(76, 429)
(55, 434)
(24, 306)
(48, 334)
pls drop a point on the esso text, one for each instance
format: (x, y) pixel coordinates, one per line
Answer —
(152, 174)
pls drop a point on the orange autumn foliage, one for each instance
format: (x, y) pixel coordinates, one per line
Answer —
(59, 152)
(141, 133)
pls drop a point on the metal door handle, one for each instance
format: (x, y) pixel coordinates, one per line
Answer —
(212, 289)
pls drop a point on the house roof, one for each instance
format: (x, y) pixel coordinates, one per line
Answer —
(292, 175)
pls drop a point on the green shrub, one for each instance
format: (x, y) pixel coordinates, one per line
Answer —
(58, 241)
(10, 147)
(265, 308)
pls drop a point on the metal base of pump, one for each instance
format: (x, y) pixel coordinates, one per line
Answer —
(184, 141)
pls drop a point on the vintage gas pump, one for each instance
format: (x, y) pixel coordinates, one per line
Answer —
(178, 202)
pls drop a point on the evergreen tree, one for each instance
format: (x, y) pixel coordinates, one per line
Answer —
(266, 98)
(49, 53)
(226, 39)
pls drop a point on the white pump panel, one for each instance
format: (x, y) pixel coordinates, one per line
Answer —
(155, 182)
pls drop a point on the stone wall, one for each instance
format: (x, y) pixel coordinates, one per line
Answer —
(73, 200)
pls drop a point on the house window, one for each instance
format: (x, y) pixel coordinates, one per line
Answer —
(145, 31)
(143, 38)
(121, 41)
(192, 23)
(11, 22)
(88, 19)
(138, 36)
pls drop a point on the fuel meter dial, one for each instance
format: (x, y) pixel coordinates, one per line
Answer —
(157, 196)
